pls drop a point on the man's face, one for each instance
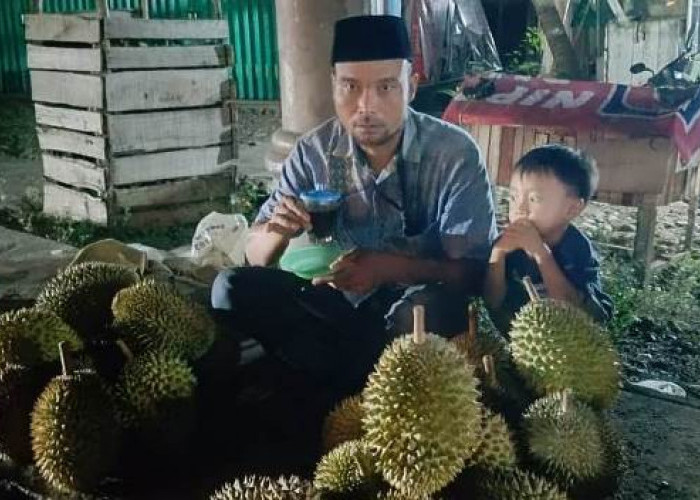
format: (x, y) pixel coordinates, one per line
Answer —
(371, 98)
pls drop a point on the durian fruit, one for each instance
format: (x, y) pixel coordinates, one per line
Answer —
(266, 488)
(563, 437)
(343, 423)
(615, 466)
(503, 389)
(515, 484)
(151, 386)
(348, 470)
(496, 449)
(81, 295)
(422, 415)
(19, 389)
(74, 436)
(153, 316)
(556, 346)
(29, 337)
(474, 345)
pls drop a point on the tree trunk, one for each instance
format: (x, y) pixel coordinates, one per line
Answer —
(566, 64)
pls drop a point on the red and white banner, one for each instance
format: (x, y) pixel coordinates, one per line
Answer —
(577, 106)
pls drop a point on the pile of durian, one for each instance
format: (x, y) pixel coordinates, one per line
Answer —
(104, 358)
(472, 418)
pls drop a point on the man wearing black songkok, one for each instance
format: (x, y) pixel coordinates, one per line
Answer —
(417, 220)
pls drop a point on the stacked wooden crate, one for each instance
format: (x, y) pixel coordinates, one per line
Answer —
(134, 116)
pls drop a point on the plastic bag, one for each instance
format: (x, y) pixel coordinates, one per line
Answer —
(219, 240)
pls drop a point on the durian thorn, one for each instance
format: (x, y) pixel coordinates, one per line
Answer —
(565, 400)
(65, 360)
(125, 350)
(473, 315)
(531, 290)
(418, 324)
(490, 369)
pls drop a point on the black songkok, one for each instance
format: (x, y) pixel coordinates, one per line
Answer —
(370, 38)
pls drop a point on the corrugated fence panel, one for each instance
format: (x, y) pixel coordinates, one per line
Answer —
(251, 23)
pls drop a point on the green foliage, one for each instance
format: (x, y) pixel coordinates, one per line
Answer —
(17, 135)
(672, 295)
(28, 217)
(248, 197)
(527, 58)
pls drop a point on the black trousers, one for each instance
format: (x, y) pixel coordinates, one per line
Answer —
(316, 330)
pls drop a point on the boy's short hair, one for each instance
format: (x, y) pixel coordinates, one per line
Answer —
(570, 166)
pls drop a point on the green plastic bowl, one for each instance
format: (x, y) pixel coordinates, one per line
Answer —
(310, 261)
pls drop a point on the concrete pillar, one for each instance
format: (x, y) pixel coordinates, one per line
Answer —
(304, 38)
(389, 7)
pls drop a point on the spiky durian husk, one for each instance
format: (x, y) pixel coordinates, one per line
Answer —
(151, 385)
(266, 488)
(29, 337)
(615, 466)
(496, 449)
(556, 346)
(422, 418)
(565, 441)
(73, 432)
(515, 484)
(81, 295)
(348, 470)
(153, 316)
(475, 347)
(19, 389)
(397, 495)
(343, 423)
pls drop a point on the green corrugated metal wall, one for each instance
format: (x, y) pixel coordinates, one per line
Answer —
(253, 37)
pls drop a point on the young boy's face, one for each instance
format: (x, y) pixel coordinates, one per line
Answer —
(544, 200)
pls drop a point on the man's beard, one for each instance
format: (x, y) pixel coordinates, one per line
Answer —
(379, 140)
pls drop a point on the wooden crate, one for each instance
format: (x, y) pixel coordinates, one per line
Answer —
(134, 116)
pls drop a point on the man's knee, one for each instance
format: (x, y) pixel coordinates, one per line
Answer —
(221, 289)
(445, 311)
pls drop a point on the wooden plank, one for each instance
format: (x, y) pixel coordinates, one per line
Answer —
(171, 165)
(170, 193)
(79, 173)
(62, 28)
(529, 140)
(73, 89)
(130, 28)
(142, 90)
(506, 160)
(67, 141)
(63, 202)
(64, 58)
(494, 151)
(167, 57)
(74, 119)
(190, 128)
(169, 216)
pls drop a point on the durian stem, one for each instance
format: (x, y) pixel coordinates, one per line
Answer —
(565, 400)
(531, 290)
(490, 370)
(65, 359)
(472, 314)
(418, 324)
(125, 350)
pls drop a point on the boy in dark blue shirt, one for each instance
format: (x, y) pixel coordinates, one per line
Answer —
(550, 187)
